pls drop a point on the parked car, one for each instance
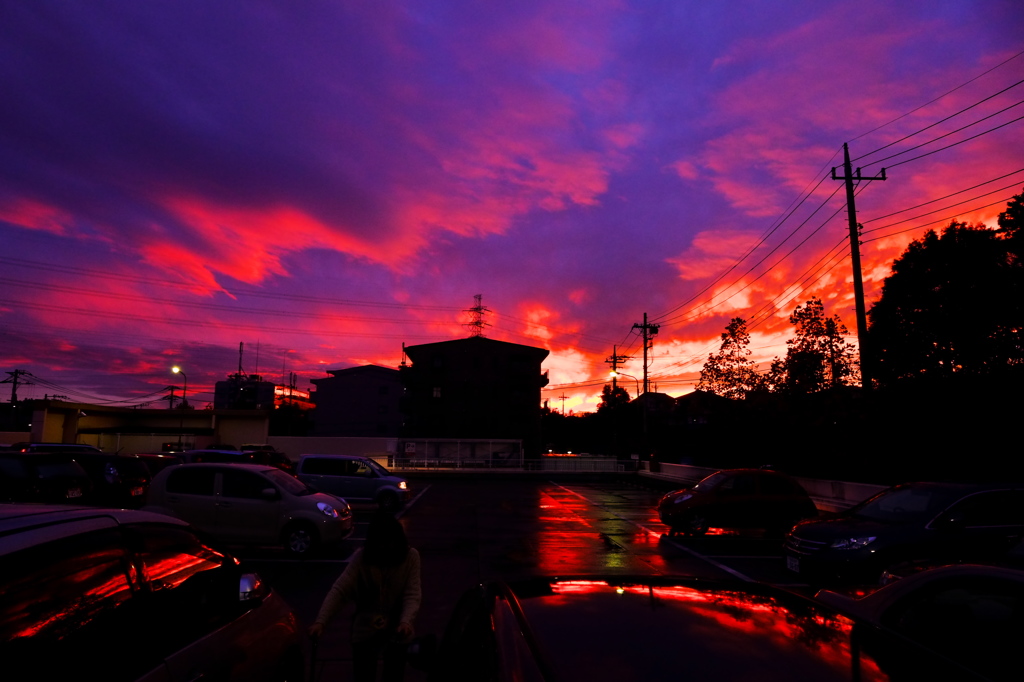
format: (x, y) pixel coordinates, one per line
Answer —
(116, 595)
(251, 504)
(54, 447)
(43, 477)
(972, 613)
(913, 521)
(737, 498)
(155, 462)
(268, 454)
(217, 455)
(357, 479)
(665, 628)
(117, 480)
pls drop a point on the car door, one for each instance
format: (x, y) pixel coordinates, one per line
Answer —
(248, 507)
(735, 503)
(326, 474)
(190, 495)
(984, 524)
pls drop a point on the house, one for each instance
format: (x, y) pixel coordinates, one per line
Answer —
(358, 401)
(474, 388)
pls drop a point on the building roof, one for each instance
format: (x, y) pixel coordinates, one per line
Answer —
(477, 342)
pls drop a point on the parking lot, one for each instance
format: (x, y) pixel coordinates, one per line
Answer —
(476, 529)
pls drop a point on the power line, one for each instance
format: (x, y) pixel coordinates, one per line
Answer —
(945, 94)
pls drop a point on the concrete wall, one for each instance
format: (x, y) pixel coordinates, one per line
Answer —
(11, 437)
(293, 446)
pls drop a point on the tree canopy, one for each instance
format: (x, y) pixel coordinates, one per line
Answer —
(819, 357)
(730, 372)
(952, 305)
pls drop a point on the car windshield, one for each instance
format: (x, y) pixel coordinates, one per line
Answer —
(904, 505)
(381, 471)
(288, 483)
(711, 482)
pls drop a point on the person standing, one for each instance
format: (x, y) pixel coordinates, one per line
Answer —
(383, 581)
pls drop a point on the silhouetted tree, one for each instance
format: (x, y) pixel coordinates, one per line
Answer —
(731, 373)
(952, 305)
(819, 357)
(612, 398)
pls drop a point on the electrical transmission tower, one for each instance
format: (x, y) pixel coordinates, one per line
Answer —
(476, 324)
(858, 284)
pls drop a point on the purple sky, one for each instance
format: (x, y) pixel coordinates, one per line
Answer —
(329, 180)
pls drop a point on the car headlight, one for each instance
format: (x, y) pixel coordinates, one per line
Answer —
(682, 498)
(402, 485)
(327, 509)
(853, 543)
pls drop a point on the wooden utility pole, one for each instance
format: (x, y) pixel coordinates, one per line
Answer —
(614, 361)
(648, 330)
(858, 283)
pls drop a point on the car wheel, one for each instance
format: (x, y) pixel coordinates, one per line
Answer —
(696, 524)
(300, 540)
(388, 502)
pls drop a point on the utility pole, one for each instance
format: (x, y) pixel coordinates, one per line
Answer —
(13, 381)
(648, 330)
(614, 361)
(858, 283)
(562, 398)
(170, 398)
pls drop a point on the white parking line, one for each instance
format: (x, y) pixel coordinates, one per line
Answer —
(652, 533)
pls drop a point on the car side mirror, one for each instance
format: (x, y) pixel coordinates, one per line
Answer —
(251, 588)
(269, 494)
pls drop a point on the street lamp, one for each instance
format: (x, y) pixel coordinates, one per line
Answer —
(620, 374)
(184, 388)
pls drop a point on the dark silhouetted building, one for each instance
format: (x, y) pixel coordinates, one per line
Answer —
(243, 392)
(358, 401)
(474, 388)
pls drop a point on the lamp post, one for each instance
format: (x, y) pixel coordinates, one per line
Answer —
(620, 374)
(184, 388)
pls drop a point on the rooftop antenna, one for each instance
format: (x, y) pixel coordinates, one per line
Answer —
(476, 324)
(241, 349)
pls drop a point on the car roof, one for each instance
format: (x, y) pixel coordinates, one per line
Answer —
(222, 465)
(334, 456)
(27, 525)
(715, 629)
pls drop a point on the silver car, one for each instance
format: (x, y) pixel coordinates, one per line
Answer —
(251, 504)
(357, 479)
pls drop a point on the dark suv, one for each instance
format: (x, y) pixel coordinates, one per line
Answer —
(913, 521)
(127, 595)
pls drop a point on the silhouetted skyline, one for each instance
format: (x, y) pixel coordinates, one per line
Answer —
(325, 183)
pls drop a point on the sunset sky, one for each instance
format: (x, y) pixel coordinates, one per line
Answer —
(328, 180)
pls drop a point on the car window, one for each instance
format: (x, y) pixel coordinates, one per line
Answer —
(778, 485)
(191, 588)
(709, 483)
(244, 484)
(903, 505)
(287, 482)
(977, 621)
(325, 466)
(740, 484)
(191, 481)
(60, 602)
(996, 508)
(376, 466)
(360, 468)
